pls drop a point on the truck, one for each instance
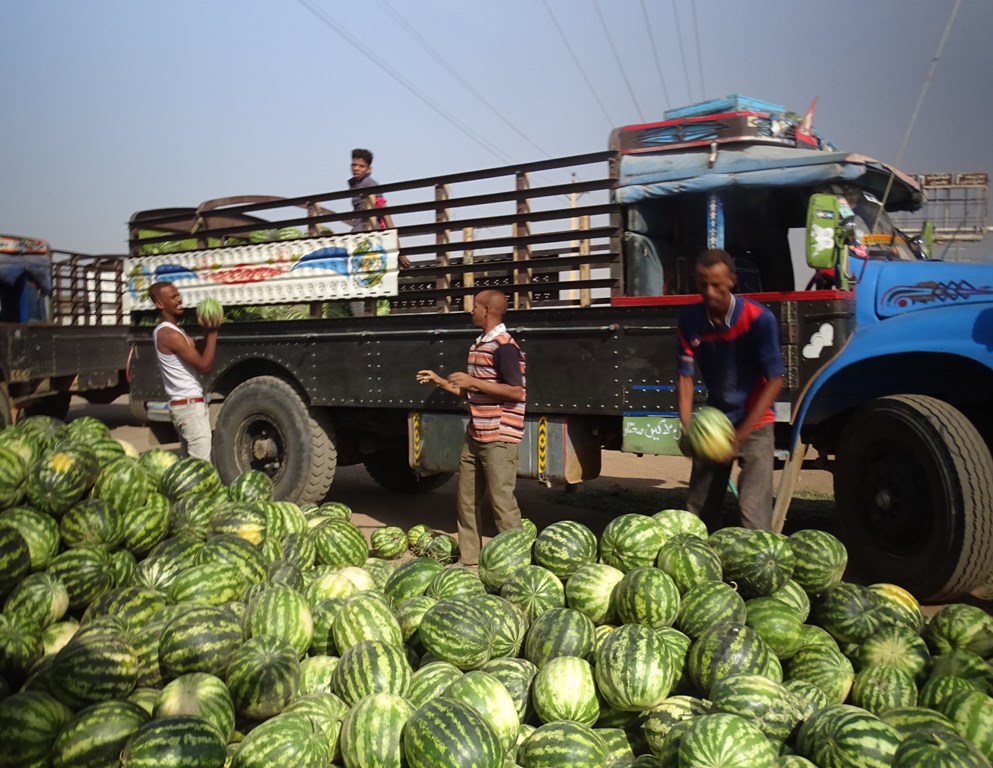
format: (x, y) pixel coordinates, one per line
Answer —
(63, 330)
(888, 352)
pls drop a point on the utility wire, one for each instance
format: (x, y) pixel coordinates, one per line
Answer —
(699, 54)
(454, 73)
(655, 53)
(364, 50)
(579, 66)
(617, 58)
(682, 51)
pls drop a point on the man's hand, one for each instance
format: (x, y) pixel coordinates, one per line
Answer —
(429, 377)
(461, 379)
(403, 261)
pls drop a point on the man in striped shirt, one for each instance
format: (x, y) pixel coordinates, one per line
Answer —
(494, 385)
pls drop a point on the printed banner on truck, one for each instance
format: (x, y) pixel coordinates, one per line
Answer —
(358, 266)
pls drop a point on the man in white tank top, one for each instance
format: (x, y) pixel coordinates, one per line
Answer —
(180, 362)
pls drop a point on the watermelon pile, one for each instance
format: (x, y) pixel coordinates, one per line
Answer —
(152, 616)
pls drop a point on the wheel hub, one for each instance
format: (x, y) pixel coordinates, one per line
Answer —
(895, 505)
(264, 448)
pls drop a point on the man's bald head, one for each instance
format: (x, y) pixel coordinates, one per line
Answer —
(495, 301)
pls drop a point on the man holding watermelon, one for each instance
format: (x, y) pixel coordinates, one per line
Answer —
(735, 344)
(495, 387)
(180, 362)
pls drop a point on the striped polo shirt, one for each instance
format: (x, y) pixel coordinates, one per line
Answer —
(495, 356)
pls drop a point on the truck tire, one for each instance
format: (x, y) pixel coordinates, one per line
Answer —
(391, 470)
(914, 488)
(55, 405)
(265, 425)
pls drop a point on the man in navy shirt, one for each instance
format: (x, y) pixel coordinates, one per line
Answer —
(735, 344)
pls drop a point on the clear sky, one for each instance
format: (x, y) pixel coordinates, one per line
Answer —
(112, 106)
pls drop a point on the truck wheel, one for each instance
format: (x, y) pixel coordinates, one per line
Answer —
(263, 424)
(391, 470)
(914, 487)
(55, 405)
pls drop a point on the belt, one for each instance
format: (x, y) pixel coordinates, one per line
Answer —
(186, 401)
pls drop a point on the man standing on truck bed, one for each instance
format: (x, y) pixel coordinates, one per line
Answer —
(179, 362)
(495, 387)
(735, 343)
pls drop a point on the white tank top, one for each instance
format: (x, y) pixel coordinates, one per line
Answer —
(177, 378)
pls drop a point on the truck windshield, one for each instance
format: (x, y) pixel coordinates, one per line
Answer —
(875, 230)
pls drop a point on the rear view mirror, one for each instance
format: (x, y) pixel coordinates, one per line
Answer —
(823, 223)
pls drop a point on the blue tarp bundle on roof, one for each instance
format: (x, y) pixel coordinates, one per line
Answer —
(38, 268)
(662, 174)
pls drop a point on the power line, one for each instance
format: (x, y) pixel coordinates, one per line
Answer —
(699, 54)
(454, 73)
(579, 66)
(364, 50)
(682, 51)
(617, 58)
(655, 53)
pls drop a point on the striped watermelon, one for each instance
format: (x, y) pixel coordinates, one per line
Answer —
(508, 622)
(190, 515)
(98, 663)
(123, 484)
(647, 595)
(710, 435)
(726, 740)
(325, 582)
(679, 647)
(325, 710)
(764, 702)
(282, 519)
(316, 673)
(706, 604)
(20, 646)
(409, 614)
(759, 563)
(777, 624)
(879, 688)
(134, 607)
(289, 739)
(940, 750)
(201, 695)
(959, 625)
(517, 676)
(728, 648)
(679, 522)
(634, 669)
(39, 598)
(807, 696)
(155, 461)
(689, 560)
(252, 486)
(898, 606)
(27, 446)
(443, 733)
(503, 555)
(563, 743)
(339, 543)
(96, 735)
(145, 526)
(972, 713)
(323, 613)
(371, 666)
(242, 519)
(229, 549)
(794, 596)
(299, 548)
(410, 579)
(443, 548)
(430, 680)
(590, 590)
(389, 542)
(371, 732)
(45, 429)
(282, 612)
(170, 742)
(850, 612)
(660, 719)
(30, 721)
(39, 531)
(938, 689)
(335, 510)
(826, 668)
(564, 546)
(87, 573)
(965, 664)
(58, 480)
(457, 631)
(559, 632)
(840, 736)
(92, 523)
(453, 583)
(534, 590)
(188, 477)
(488, 696)
(820, 560)
(210, 583)
(200, 639)
(631, 541)
(564, 689)
(917, 719)
(263, 676)
(285, 572)
(13, 473)
(365, 616)
(55, 636)
(897, 647)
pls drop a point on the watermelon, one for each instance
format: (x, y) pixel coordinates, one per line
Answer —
(39, 531)
(20, 646)
(819, 558)
(726, 740)
(972, 713)
(325, 710)
(210, 313)
(897, 647)
(457, 631)
(706, 604)
(503, 556)
(488, 696)
(229, 549)
(559, 632)
(710, 436)
(534, 590)
(282, 518)
(410, 579)
(879, 688)
(335, 510)
(325, 583)
(289, 739)
(764, 702)
(210, 583)
(86, 572)
(807, 696)
(517, 676)
(371, 666)
(39, 598)
(794, 596)
(938, 689)
(430, 680)
(916, 719)
(850, 612)
(30, 721)
(200, 639)
(453, 583)
(564, 546)
(442, 548)
(898, 606)
(508, 622)
(263, 676)
(389, 542)
(631, 541)
(282, 612)
(96, 735)
(728, 648)
(27, 446)
(634, 668)
(59, 479)
(590, 591)
(759, 563)
(371, 732)
(145, 526)
(563, 743)
(564, 689)
(123, 484)
(660, 719)
(135, 607)
(242, 519)
(13, 473)
(339, 543)
(958, 625)
(251, 485)
(840, 736)
(777, 624)
(967, 665)
(155, 461)
(187, 477)
(680, 522)
(98, 663)
(174, 742)
(941, 750)
(647, 595)
(365, 616)
(316, 673)
(444, 733)
(826, 668)
(92, 523)
(689, 560)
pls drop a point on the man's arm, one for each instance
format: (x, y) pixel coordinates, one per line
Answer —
(427, 376)
(175, 343)
(507, 392)
(684, 398)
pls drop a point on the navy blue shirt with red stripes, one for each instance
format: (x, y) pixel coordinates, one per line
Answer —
(736, 357)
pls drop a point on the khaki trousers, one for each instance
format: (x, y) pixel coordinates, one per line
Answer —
(487, 471)
(708, 484)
